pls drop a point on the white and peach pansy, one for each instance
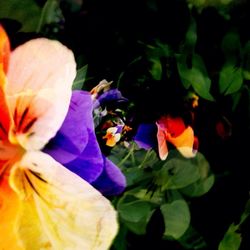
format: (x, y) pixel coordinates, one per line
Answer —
(43, 205)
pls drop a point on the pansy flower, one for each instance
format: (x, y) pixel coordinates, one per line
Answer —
(173, 130)
(43, 205)
(75, 146)
(113, 135)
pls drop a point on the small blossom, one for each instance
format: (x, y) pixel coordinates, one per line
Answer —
(112, 136)
(174, 131)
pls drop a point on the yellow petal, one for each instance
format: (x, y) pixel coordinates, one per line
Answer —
(9, 206)
(59, 210)
(40, 77)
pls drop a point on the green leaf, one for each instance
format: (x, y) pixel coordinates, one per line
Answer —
(153, 196)
(51, 13)
(132, 156)
(27, 12)
(191, 239)
(246, 213)
(199, 78)
(206, 181)
(176, 218)
(183, 71)
(120, 239)
(156, 68)
(231, 240)
(135, 175)
(231, 45)
(140, 226)
(196, 76)
(191, 35)
(135, 213)
(177, 173)
(231, 79)
(80, 78)
(199, 188)
(246, 60)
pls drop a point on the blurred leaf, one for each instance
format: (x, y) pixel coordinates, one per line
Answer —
(191, 239)
(155, 54)
(206, 181)
(51, 13)
(27, 12)
(120, 239)
(177, 173)
(191, 36)
(246, 213)
(156, 69)
(231, 79)
(231, 45)
(246, 60)
(231, 240)
(200, 79)
(183, 71)
(80, 78)
(236, 99)
(176, 218)
(196, 76)
(207, 3)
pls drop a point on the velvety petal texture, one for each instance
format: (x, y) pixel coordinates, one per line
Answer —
(109, 96)
(145, 136)
(85, 157)
(73, 136)
(112, 181)
(39, 99)
(58, 209)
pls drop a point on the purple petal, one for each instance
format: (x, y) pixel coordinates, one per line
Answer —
(108, 96)
(76, 147)
(111, 181)
(72, 137)
(146, 136)
(89, 165)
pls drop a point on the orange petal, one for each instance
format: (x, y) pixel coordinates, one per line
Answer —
(4, 111)
(4, 49)
(9, 206)
(184, 142)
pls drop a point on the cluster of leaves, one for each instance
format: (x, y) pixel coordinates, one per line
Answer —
(167, 186)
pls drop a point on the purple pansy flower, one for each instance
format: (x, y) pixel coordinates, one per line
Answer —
(76, 147)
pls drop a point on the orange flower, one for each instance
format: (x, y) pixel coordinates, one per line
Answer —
(112, 136)
(174, 131)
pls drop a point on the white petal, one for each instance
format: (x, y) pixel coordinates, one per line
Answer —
(40, 77)
(60, 210)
